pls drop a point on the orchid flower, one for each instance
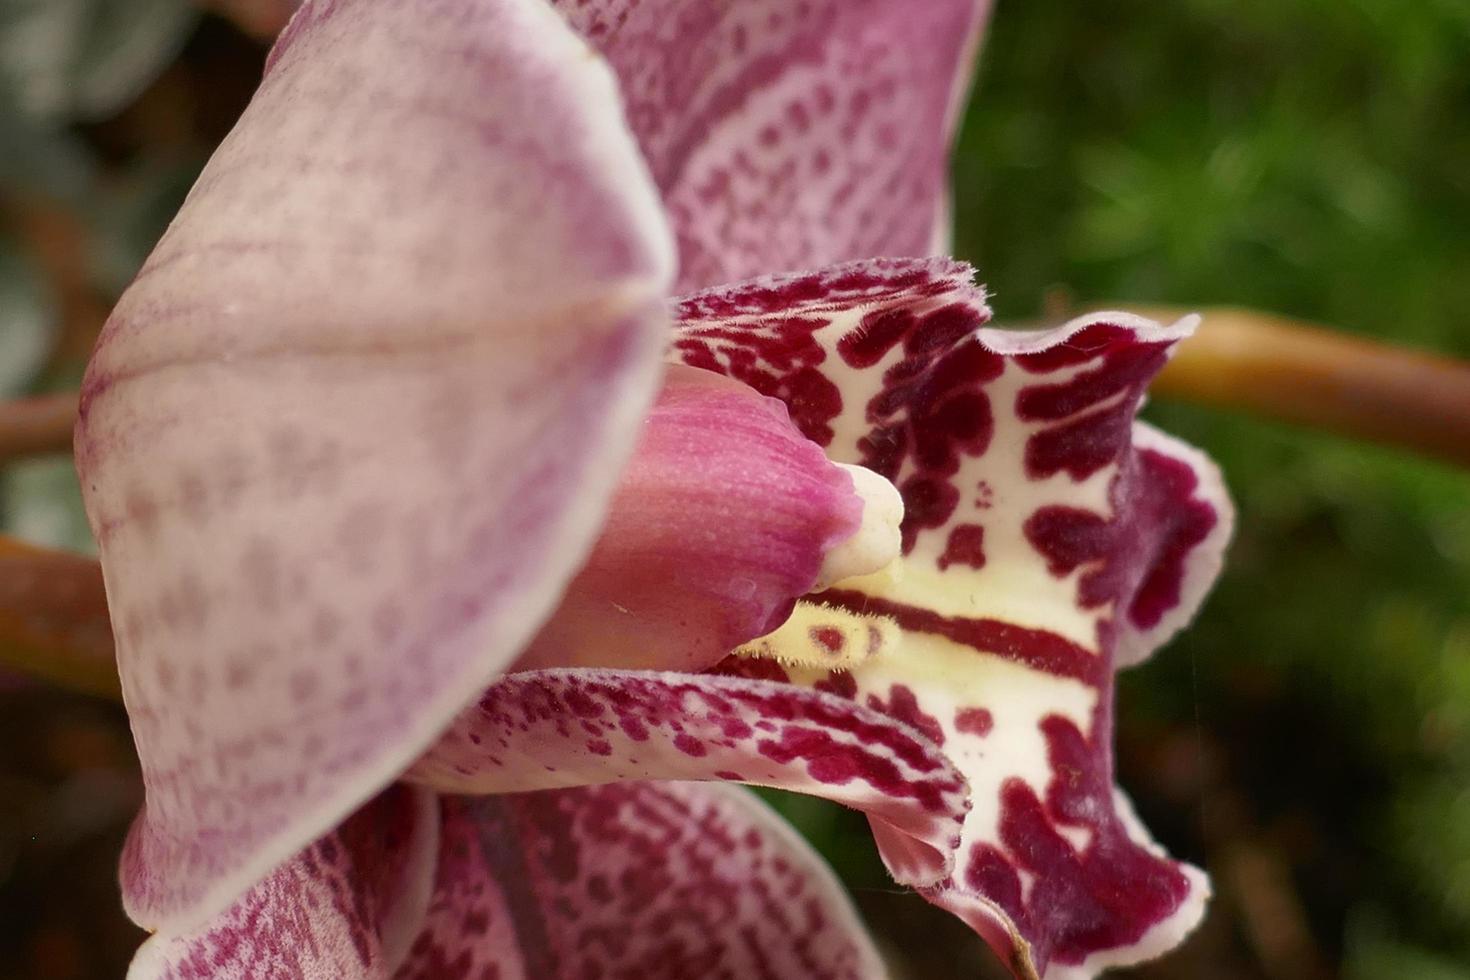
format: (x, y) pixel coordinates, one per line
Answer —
(444, 608)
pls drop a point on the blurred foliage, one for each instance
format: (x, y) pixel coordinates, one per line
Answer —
(108, 109)
(27, 326)
(82, 59)
(1308, 741)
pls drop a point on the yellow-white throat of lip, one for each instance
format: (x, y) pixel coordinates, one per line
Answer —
(838, 639)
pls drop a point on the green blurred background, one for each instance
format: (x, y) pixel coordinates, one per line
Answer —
(1308, 741)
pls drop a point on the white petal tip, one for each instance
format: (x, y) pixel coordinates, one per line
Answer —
(877, 542)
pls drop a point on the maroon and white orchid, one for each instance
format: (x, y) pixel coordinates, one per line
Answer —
(444, 607)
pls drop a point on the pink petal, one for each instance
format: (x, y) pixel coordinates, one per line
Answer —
(564, 728)
(720, 522)
(348, 906)
(1048, 537)
(789, 136)
(642, 880)
(355, 425)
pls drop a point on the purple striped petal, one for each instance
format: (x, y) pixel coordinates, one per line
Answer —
(721, 521)
(1048, 538)
(355, 424)
(791, 135)
(349, 906)
(658, 882)
(565, 728)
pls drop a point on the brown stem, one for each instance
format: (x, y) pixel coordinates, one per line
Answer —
(53, 619)
(37, 425)
(53, 609)
(261, 19)
(1239, 360)
(1310, 375)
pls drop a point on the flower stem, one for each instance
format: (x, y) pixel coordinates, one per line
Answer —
(53, 609)
(1267, 365)
(1309, 375)
(53, 619)
(37, 425)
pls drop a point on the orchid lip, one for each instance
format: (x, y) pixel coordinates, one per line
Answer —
(1048, 539)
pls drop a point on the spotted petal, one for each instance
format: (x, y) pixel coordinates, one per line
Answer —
(1048, 538)
(584, 727)
(349, 906)
(638, 879)
(656, 881)
(354, 426)
(790, 135)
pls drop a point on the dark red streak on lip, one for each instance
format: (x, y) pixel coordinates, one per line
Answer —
(1038, 649)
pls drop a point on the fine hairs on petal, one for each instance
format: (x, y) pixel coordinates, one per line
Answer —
(825, 637)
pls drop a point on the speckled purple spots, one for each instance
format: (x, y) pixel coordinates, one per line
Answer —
(1048, 539)
(791, 135)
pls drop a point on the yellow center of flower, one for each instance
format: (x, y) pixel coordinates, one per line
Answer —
(822, 637)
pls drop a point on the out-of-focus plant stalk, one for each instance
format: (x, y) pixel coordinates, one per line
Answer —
(53, 610)
(1309, 375)
(1239, 360)
(30, 426)
(53, 619)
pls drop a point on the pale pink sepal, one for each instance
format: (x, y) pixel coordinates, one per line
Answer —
(659, 881)
(790, 135)
(347, 907)
(720, 522)
(355, 424)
